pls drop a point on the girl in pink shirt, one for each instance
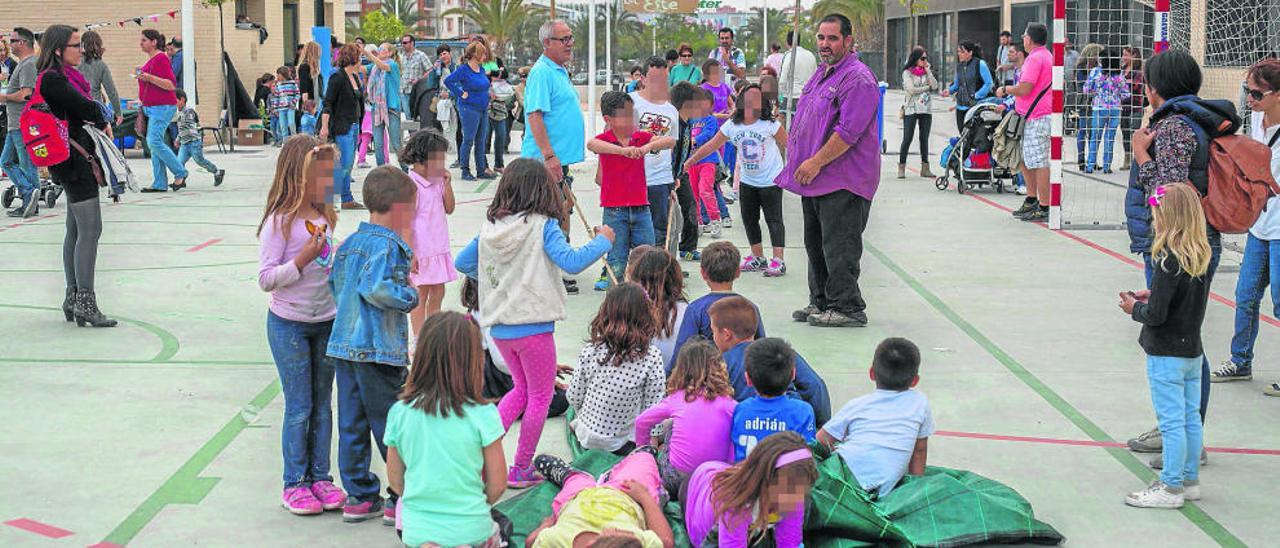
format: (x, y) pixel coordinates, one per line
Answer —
(427, 152)
(293, 265)
(698, 412)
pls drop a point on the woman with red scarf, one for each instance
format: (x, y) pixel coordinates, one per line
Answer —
(66, 91)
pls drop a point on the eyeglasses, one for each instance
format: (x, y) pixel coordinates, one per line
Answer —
(16, 40)
(566, 40)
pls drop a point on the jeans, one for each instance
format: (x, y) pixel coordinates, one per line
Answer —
(475, 127)
(195, 151)
(833, 225)
(1175, 393)
(381, 133)
(1259, 268)
(342, 168)
(306, 379)
(659, 211)
(15, 162)
(501, 138)
(633, 226)
(753, 200)
(1204, 366)
(366, 392)
(162, 157)
(1105, 122)
(721, 206)
(909, 123)
(284, 124)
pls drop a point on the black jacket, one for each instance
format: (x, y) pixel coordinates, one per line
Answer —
(1172, 317)
(75, 175)
(343, 104)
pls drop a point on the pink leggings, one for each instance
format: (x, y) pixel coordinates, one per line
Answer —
(532, 361)
(638, 466)
(702, 181)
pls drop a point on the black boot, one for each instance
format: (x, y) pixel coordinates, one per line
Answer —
(86, 310)
(553, 468)
(69, 303)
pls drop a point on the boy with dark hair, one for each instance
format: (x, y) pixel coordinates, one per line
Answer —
(771, 366)
(190, 142)
(686, 98)
(733, 325)
(369, 344)
(885, 434)
(719, 269)
(623, 190)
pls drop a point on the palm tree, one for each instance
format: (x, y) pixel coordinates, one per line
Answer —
(497, 18)
(864, 14)
(407, 11)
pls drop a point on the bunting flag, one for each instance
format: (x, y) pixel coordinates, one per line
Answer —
(154, 18)
(138, 21)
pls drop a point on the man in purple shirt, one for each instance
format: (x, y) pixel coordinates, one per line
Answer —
(833, 163)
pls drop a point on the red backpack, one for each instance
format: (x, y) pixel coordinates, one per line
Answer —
(43, 134)
(1240, 182)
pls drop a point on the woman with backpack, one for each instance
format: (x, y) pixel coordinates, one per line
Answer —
(973, 80)
(67, 94)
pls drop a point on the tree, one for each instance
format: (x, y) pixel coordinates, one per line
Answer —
(376, 27)
(405, 10)
(497, 18)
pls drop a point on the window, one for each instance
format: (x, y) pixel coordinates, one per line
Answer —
(251, 11)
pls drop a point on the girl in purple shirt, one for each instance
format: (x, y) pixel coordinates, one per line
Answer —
(722, 102)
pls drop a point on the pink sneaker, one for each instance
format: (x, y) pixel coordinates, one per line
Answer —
(522, 478)
(752, 263)
(776, 268)
(300, 502)
(328, 494)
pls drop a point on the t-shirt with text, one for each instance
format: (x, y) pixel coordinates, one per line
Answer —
(759, 159)
(622, 179)
(658, 120)
(757, 418)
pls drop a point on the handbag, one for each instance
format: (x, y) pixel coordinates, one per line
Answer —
(1017, 124)
(444, 109)
(140, 124)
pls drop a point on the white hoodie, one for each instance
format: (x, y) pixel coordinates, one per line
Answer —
(518, 282)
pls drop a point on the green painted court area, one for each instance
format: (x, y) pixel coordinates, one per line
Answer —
(165, 431)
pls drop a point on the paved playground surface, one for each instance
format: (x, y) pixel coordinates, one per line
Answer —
(165, 430)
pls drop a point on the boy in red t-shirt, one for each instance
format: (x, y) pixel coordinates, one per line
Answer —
(623, 189)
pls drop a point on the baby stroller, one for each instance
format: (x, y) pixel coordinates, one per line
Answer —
(968, 158)
(48, 194)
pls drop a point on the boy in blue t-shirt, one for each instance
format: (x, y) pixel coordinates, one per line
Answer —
(771, 367)
(719, 269)
(733, 327)
(885, 434)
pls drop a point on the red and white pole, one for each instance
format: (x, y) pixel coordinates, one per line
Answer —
(1161, 38)
(1055, 135)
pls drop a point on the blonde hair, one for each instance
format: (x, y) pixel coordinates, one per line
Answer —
(474, 49)
(1180, 230)
(289, 189)
(311, 58)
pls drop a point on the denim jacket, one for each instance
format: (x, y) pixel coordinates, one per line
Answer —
(370, 283)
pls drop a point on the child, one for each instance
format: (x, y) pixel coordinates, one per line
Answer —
(636, 83)
(686, 97)
(885, 434)
(771, 367)
(1171, 313)
(701, 166)
(369, 343)
(658, 272)
(284, 103)
(502, 101)
(619, 372)
(293, 267)
(444, 440)
(722, 95)
(521, 252)
(308, 117)
(719, 269)
(740, 503)
(191, 143)
(760, 141)
(733, 325)
(427, 152)
(620, 509)
(699, 406)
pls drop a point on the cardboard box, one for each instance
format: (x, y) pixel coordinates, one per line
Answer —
(250, 137)
(248, 123)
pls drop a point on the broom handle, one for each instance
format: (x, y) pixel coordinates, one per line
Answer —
(613, 277)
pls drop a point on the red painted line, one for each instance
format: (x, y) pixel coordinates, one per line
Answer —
(38, 528)
(487, 199)
(204, 245)
(1056, 441)
(106, 545)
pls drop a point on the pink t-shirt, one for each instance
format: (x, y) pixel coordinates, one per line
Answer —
(699, 429)
(1037, 70)
(298, 296)
(150, 94)
(430, 228)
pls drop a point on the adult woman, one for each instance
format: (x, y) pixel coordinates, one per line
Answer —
(918, 83)
(1258, 269)
(973, 80)
(343, 110)
(1131, 109)
(155, 90)
(502, 97)
(469, 84)
(66, 92)
(1086, 62)
(1109, 90)
(686, 70)
(384, 101)
(96, 71)
(309, 76)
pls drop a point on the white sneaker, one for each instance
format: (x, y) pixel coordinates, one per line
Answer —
(727, 222)
(706, 229)
(715, 229)
(1191, 489)
(1157, 495)
(1021, 190)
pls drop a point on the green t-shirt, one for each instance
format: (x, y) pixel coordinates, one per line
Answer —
(685, 73)
(444, 500)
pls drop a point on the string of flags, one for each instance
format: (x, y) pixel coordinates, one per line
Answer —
(155, 17)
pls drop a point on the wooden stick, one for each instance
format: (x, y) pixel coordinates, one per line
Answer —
(671, 213)
(613, 277)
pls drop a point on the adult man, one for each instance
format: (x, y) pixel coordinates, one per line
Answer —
(834, 165)
(413, 67)
(731, 59)
(14, 159)
(1004, 63)
(790, 87)
(1037, 77)
(174, 50)
(657, 116)
(435, 75)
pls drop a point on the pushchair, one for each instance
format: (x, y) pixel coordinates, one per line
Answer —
(968, 157)
(47, 193)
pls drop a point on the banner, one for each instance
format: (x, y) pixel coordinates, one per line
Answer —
(660, 6)
(155, 17)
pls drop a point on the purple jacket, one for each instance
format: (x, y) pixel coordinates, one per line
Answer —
(839, 99)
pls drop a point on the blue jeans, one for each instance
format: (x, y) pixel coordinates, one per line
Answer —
(284, 123)
(1204, 366)
(1259, 268)
(195, 151)
(632, 226)
(475, 127)
(1175, 393)
(342, 168)
(501, 138)
(306, 379)
(1105, 122)
(15, 162)
(392, 130)
(720, 204)
(162, 157)
(366, 392)
(659, 209)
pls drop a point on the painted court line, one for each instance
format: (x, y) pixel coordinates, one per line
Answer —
(1086, 443)
(212, 241)
(42, 529)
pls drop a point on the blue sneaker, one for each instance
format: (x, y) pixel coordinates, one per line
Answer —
(602, 283)
(691, 255)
